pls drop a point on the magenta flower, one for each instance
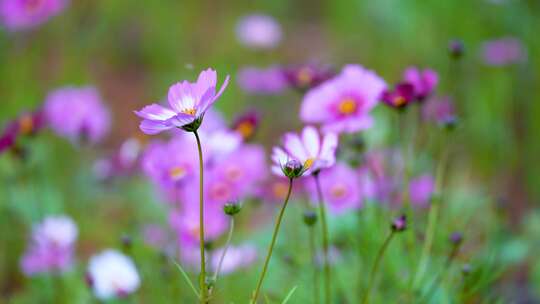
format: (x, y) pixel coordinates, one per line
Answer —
(77, 113)
(265, 81)
(307, 76)
(341, 189)
(440, 110)
(258, 31)
(503, 51)
(236, 258)
(25, 125)
(246, 124)
(188, 103)
(19, 15)
(400, 97)
(343, 103)
(313, 150)
(421, 190)
(424, 82)
(52, 246)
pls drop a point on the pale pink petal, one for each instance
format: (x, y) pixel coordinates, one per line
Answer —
(293, 145)
(328, 148)
(155, 112)
(181, 96)
(152, 127)
(311, 141)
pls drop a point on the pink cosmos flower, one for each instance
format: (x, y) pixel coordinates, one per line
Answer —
(503, 51)
(188, 103)
(25, 125)
(186, 223)
(423, 81)
(258, 31)
(421, 190)
(112, 274)
(341, 189)
(343, 103)
(400, 97)
(266, 81)
(52, 247)
(313, 150)
(247, 124)
(77, 113)
(307, 76)
(236, 258)
(19, 15)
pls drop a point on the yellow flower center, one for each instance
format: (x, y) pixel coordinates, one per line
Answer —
(399, 101)
(177, 172)
(347, 106)
(304, 76)
(245, 129)
(308, 163)
(26, 124)
(338, 191)
(189, 111)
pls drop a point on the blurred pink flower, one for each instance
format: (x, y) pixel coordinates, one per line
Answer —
(424, 81)
(155, 236)
(51, 249)
(17, 15)
(421, 190)
(400, 97)
(340, 187)
(186, 223)
(262, 80)
(503, 51)
(77, 113)
(247, 124)
(112, 274)
(26, 124)
(440, 110)
(188, 103)
(382, 175)
(258, 31)
(306, 76)
(236, 258)
(343, 103)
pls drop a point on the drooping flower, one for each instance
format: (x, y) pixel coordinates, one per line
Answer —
(77, 113)
(503, 51)
(440, 110)
(188, 103)
(421, 190)
(258, 31)
(343, 103)
(112, 274)
(264, 81)
(52, 246)
(236, 258)
(307, 76)
(424, 81)
(247, 124)
(25, 125)
(17, 15)
(312, 149)
(340, 186)
(400, 97)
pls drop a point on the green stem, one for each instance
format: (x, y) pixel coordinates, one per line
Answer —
(442, 274)
(202, 276)
(227, 245)
(324, 227)
(376, 266)
(272, 243)
(312, 247)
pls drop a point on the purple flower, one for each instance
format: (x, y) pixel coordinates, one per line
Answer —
(19, 15)
(307, 76)
(399, 223)
(77, 113)
(266, 81)
(340, 187)
(26, 124)
(186, 223)
(343, 103)
(313, 151)
(188, 101)
(247, 124)
(400, 97)
(52, 246)
(258, 31)
(440, 110)
(236, 257)
(421, 190)
(503, 51)
(423, 81)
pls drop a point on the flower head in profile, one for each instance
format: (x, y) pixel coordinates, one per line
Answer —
(17, 15)
(52, 246)
(343, 103)
(188, 103)
(313, 150)
(424, 82)
(77, 113)
(400, 97)
(258, 31)
(111, 274)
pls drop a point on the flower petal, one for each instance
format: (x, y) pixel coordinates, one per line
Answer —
(311, 141)
(293, 145)
(152, 127)
(181, 96)
(155, 112)
(209, 98)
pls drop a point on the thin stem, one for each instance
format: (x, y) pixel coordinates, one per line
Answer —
(376, 266)
(202, 276)
(324, 227)
(442, 274)
(272, 243)
(227, 245)
(312, 247)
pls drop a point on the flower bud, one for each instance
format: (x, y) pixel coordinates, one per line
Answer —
(399, 223)
(310, 218)
(232, 209)
(456, 48)
(456, 238)
(293, 169)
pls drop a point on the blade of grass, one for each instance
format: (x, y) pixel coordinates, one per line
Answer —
(289, 295)
(186, 277)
